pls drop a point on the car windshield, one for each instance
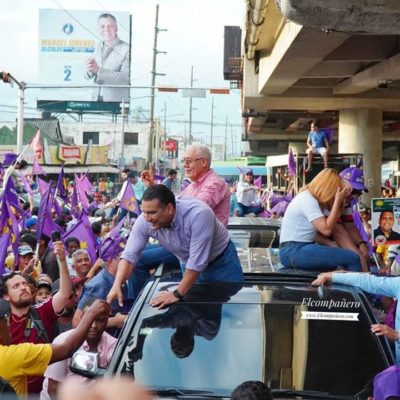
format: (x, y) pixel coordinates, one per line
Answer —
(262, 332)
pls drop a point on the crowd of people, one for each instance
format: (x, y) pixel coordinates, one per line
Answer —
(73, 289)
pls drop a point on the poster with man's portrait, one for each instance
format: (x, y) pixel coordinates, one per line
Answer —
(385, 221)
(82, 47)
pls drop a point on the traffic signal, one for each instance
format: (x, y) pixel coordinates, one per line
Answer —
(5, 76)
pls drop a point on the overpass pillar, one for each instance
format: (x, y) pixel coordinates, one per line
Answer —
(360, 131)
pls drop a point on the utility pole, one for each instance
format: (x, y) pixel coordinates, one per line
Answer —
(212, 125)
(190, 106)
(153, 82)
(226, 134)
(165, 140)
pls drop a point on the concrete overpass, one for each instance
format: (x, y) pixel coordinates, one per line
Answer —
(340, 64)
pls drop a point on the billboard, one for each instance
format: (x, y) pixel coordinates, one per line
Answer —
(385, 221)
(84, 48)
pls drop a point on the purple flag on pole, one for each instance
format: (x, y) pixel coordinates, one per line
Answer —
(26, 183)
(45, 204)
(62, 185)
(81, 192)
(129, 201)
(9, 158)
(9, 232)
(83, 231)
(43, 185)
(291, 163)
(37, 168)
(74, 203)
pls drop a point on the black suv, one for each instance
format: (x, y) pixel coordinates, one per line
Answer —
(276, 328)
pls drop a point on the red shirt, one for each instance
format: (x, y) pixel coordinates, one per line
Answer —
(17, 324)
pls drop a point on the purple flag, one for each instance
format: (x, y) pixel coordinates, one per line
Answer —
(9, 158)
(12, 197)
(37, 168)
(158, 178)
(129, 201)
(62, 190)
(74, 203)
(258, 182)
(26, 183)
(84, 183)
(329, 133)
(9, 232)
(43, 185)
(81, 192)
(44, 209)
(291, 163)
(83, 231)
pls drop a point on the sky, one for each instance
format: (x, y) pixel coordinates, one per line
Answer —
(194, 37)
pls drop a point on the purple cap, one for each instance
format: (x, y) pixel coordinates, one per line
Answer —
(354, 177)
(387, 383)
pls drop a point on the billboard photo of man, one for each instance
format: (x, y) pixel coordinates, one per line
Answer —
(385, 231)
(109, 65)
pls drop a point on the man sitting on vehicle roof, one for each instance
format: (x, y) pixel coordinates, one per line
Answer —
(189, 229)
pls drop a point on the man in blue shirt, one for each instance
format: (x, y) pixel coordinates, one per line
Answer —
(317, 143)
(170, 179)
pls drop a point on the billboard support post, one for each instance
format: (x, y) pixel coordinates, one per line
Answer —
(20, 125)
(123, 132)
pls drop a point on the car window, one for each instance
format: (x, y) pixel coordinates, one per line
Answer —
(216, 346)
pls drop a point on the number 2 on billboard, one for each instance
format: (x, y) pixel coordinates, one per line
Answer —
(67, 73)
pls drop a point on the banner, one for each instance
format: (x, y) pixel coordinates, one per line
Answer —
(385, 221)
(85, 48)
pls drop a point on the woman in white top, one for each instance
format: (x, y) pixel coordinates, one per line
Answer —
(246, 194)
(304, 218)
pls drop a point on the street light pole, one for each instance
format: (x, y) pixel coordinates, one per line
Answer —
(123, 134)
(212, 126)
(190, 107)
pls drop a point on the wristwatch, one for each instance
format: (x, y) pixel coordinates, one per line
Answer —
(177, 294)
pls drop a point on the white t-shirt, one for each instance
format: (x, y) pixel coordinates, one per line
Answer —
(297, 222)
(246, 198)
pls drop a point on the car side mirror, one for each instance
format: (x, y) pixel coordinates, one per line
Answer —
(86, 364)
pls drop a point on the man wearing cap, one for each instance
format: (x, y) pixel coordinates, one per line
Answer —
(345, 233)
(43, 291)
(30, 223)
(26, 261)
(23, 325)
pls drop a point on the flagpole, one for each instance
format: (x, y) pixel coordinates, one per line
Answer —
(10, 170)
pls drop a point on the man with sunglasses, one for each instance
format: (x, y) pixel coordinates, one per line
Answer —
(206, 184)
(35, 325)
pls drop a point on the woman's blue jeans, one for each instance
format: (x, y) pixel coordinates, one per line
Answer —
(314, 256)
(242, 209)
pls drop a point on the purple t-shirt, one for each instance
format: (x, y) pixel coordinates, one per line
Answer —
(195, 236)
